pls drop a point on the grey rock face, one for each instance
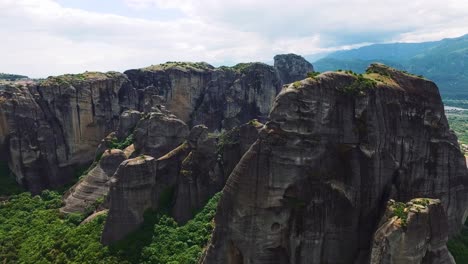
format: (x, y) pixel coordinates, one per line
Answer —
(420, 236)
(127, 123)
(312, 187)
(54, 126)
(94, 185)
(156, 134)
(49, 129)
(219, 98)
(292, 67)
(182, 180)
(129, 195)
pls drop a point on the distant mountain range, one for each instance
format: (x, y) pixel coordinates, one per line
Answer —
(444, 61)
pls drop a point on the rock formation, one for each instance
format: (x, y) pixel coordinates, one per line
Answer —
(412, 233)
(312, 188)
(181, 181)
(224, 97)
(292, 67)
(94, 185)
(51, 128)
(131, 194)
(157, 133)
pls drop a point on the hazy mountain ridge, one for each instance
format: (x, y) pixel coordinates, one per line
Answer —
(443, 61)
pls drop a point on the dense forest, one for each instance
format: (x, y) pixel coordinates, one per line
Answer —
(32, 230)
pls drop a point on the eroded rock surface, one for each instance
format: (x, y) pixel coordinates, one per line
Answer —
(412, 233)
(292, 67)
(311, 189)
(49, 129)
(131, 193)
(224, 97)
(94, 185)
(156, 134)
(181, 181)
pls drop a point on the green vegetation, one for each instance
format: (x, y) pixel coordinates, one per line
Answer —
(115, 144)
(11, 77)
(195, 66)
(360, 85)
(458, 118)
(8, 185)
(242, 67)
(296, 84)
(441, 61)
(254, 123)
(68, 79)
(400, 211)
(32, 230)
(227, 138)
(458, 246)
(313, 74)
(459, 123)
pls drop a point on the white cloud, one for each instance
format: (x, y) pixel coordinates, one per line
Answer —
(41, 37)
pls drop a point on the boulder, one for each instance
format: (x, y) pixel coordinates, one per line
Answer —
(412, 233)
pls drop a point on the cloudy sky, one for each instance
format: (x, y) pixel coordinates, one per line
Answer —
(49, 37)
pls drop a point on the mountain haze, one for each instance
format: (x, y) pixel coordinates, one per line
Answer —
(443, 61)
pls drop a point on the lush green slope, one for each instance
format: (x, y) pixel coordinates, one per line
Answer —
(8, 185)
(33, 231)
(444, 61)
(458, 246)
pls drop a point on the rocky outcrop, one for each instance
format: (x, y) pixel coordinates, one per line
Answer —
(157, 133)
(311, 189)
(131, 194)
(412, 233)
(292, 67)
(94, 185)
(50, 128)
(220, 98)
(181, 181)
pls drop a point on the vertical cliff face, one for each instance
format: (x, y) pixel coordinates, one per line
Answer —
(292, 67)
(54, 126)
(182, 180)
(337, 148)
(224, 97)
(64, 118)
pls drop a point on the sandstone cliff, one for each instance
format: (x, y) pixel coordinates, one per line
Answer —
(292, 67)
(313, 187)
(223, 97)
(181, 181)
(50, 129)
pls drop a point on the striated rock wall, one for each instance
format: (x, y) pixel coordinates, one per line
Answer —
(292, 67)
(50, 128)
(131, 193)
(224, 97)
(312, 188)
(182, 181)
(94, 185)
